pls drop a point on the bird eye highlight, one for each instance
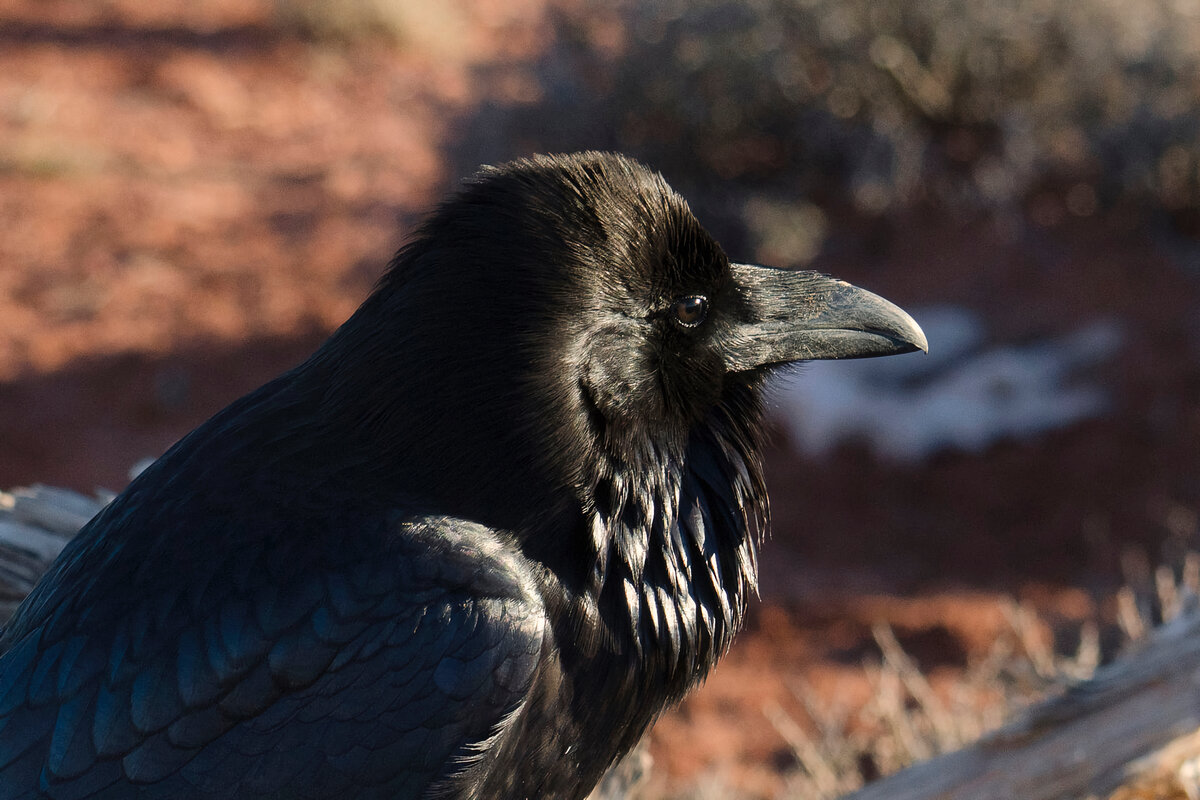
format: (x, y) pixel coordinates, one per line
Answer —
(691, 311)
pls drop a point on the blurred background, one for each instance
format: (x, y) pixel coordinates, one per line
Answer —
(194, 194)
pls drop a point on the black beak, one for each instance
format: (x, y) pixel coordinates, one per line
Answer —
(793, 315)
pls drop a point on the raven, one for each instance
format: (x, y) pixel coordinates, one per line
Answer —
(470, 548)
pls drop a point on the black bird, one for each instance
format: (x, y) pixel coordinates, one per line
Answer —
(469, 549)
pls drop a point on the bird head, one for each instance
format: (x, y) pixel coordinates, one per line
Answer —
(564, 321)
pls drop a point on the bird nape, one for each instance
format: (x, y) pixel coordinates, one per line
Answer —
(471, 548)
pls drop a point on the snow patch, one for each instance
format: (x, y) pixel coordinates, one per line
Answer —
(964, 395)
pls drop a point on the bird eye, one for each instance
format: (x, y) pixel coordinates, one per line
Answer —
(691, 311)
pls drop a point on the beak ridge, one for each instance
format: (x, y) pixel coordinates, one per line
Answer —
(794, 315)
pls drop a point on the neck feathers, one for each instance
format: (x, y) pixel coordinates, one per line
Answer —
(675, 547)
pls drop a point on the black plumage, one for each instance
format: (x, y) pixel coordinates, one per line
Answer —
(469, 549)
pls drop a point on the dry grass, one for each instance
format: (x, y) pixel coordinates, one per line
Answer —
(910, 720)
(440, 25)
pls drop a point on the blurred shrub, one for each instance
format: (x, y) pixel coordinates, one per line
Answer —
(964, 103)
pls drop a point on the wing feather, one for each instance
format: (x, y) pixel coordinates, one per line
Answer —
(379, 662)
